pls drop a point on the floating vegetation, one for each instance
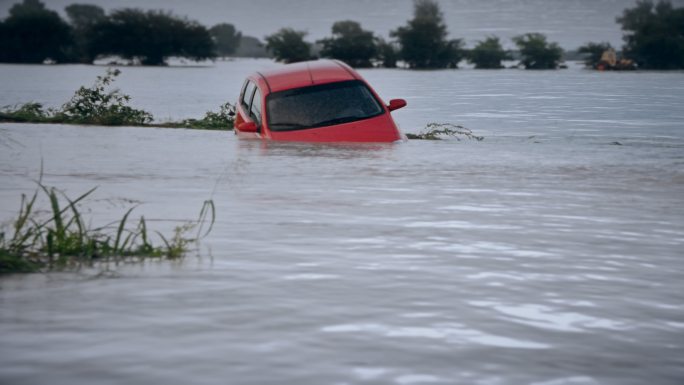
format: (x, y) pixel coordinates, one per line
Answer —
(440, 131)
(61, 239)
(98, 106)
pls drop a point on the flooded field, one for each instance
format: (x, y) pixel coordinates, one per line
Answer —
(550, 253)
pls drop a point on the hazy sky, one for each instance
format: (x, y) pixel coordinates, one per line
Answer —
(569, 22)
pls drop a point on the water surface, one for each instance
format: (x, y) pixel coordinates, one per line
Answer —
(549, 253)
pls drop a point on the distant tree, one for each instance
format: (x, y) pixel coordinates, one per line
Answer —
(350, 43)
(151, 37)
(251, 46)
(226, 38)
(654, 35)
(83, 17)
(593, 52)
(537, 53)
(488, 54)
(424, 41)
(386, 53)
(33, 33)
(288, 45)
(27, 7)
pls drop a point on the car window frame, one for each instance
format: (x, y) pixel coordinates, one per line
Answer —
(254, 117)
(247, 106)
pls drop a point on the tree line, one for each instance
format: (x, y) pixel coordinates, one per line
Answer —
(653, 34)
(32, 34)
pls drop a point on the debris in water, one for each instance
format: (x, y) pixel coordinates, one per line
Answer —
(440, 131)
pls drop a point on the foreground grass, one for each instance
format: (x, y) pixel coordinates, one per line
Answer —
(97, 105)
(61, 239)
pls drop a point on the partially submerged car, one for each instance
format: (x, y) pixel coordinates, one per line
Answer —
(314, 101)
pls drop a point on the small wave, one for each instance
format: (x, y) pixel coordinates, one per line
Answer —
(450, 333)
(545, 317)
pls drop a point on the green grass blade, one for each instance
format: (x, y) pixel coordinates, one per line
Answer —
(77, 219)
(66, 208)
(25, 213)
(207, 208)
(56, 214)
(168, 245)
(143, 232)
(120, 230)
(124, 245)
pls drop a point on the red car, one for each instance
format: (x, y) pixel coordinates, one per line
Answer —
(314, 101)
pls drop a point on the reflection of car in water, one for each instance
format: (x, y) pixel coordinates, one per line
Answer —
(315, 101)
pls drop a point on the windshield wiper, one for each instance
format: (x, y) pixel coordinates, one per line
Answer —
(330, 122)
(344, 119)
(287, 125)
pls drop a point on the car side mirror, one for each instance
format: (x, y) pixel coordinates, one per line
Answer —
(396, 104)
(247, 127)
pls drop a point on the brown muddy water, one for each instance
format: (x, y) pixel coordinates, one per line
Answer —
(549, 253)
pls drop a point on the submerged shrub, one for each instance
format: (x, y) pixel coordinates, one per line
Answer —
(387, 53)
(149, 36)
(439, 131)
(33, 34)
(288, 46)
(96, 106)
(226, 38)
(537, 53)
(488, 54)
(221, 120)
(29, 112)
(351, 44)
(424, 39)
(654, 34)
(62, 239)
(93, 105)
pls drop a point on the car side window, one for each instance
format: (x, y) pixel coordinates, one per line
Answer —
(255, 110)
(247, 94)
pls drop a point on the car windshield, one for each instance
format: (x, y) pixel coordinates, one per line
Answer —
(319, 106)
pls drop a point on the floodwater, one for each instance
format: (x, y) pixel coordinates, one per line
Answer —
(551, 253)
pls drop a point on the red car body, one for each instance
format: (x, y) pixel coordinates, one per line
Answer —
(314, 101)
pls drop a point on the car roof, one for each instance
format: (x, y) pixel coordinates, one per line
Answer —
(307, 73)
